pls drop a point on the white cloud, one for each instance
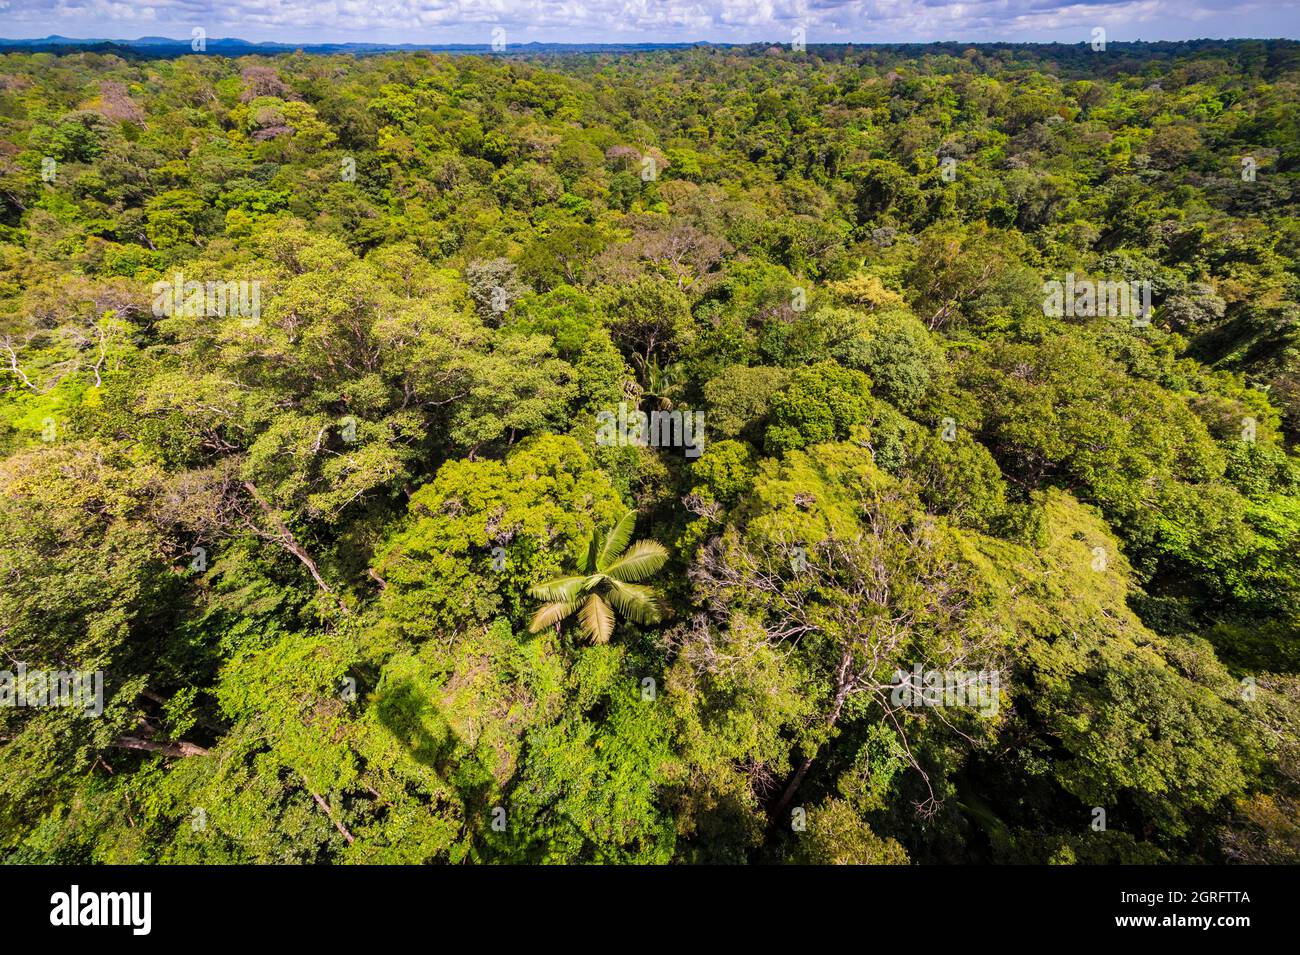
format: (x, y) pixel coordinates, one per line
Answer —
(621, 21)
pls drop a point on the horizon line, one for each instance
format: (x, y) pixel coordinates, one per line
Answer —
(55, 38)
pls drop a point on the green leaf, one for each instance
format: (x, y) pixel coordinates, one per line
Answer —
(636, 602)
(550, 614)
(562, 589)
(617, 540)
(597, 619)
(643, 559)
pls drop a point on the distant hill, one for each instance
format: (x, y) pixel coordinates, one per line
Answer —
(1068, 59)
(155, 46)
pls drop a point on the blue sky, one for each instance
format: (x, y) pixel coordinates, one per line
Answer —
(623, 21)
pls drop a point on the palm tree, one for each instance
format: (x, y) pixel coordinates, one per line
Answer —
(660, 380)
(607, 581)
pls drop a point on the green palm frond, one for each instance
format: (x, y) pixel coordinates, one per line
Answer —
(606, 585)
(616, 541)
(561, 589)
(550, 614)
(642, 559)
(597, 619)
(636, 602)
(587, 556)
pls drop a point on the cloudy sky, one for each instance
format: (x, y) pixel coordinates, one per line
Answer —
(622, 21)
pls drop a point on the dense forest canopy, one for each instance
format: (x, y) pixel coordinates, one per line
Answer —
(321, 445)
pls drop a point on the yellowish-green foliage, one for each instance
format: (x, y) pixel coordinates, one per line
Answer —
(839, 836)
(358, 565)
